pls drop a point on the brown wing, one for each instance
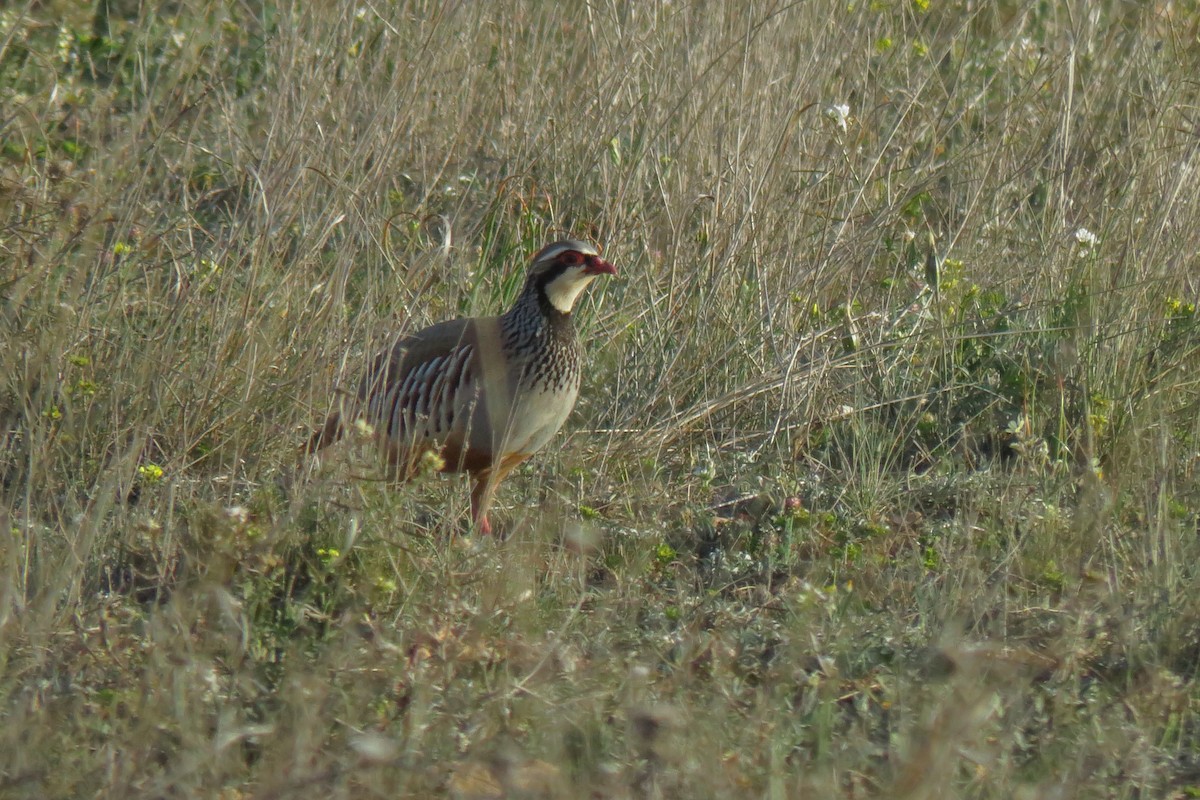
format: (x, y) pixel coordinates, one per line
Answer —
(406, 386)
(427, 392)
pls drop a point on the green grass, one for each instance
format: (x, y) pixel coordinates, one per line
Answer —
(883, 482)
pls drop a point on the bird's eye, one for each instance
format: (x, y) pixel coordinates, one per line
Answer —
(571, 258)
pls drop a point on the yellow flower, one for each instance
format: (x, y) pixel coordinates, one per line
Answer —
(150, 473)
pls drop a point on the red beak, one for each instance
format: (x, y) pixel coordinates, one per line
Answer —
(598, 266)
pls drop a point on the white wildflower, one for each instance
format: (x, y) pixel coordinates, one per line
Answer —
(839, 114)
(1086, 238)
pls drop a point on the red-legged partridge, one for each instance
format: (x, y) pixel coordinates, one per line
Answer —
(484, 393)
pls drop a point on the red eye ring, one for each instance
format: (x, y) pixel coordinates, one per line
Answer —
(571, 258)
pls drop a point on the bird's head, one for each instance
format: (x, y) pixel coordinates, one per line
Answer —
(564, 269)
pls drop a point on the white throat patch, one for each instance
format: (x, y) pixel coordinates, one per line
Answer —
(563, 291)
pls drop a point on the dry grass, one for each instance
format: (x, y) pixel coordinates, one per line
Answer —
(883, 484)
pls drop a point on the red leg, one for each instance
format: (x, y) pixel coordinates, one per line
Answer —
(481, 498)
(486, 482)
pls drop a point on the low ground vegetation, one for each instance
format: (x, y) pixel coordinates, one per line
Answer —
(884, 479)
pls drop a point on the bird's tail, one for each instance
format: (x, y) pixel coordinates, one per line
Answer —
(324, 436)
